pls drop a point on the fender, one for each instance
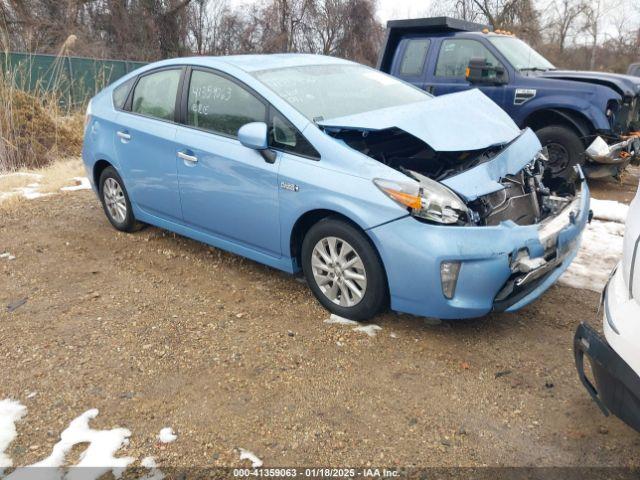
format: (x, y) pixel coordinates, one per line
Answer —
(596, 117)
(365, 215)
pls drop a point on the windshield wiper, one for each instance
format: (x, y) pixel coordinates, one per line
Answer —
(534, 69)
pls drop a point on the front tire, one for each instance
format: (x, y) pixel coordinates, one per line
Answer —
(565, 150)
(343, 270)
(115, 201)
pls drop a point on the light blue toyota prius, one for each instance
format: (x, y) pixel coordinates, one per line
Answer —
(382, 195)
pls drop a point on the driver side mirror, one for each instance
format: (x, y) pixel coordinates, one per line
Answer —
(481, 71)
(255, 136)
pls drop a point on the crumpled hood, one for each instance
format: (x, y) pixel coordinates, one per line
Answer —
(485, 178)
(449, 123)
(625, 85)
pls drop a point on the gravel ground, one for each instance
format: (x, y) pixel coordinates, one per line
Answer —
(156, 330)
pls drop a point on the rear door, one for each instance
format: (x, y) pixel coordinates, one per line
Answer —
(145, 143)
(449, 74)
(227, 189)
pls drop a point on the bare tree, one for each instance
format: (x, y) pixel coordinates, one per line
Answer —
(566, 13)
(593, 18)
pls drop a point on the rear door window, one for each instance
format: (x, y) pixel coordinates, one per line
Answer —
(415, 54)
(155, 94)
(220, 105)
(455, 55)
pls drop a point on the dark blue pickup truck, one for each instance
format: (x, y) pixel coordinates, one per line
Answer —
(586, 118)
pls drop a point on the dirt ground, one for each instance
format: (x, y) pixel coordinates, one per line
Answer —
(157, 330)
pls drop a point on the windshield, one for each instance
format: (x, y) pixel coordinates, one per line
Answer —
(321, 92)
(521, 55)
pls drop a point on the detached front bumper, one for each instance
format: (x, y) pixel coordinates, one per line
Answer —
(491, 276)
(617, 386)
(604, 160)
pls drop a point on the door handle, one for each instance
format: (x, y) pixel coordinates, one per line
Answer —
(124, 135)
(188, 158)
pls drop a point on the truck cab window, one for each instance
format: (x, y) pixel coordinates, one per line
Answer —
(455, 55)
(415, 54)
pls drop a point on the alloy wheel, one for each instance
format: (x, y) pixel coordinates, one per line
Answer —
(339, 271)
(114, 200)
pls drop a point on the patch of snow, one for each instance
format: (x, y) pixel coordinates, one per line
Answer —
(167, 435)
(154, 474)
(370, 330)
(10, 412)
(393, 335)
(247, 455)
(31, 192)
(336, 319)
(32, 395)
(82, 183)
(149, 462)
(600, 251)
(609, 210)
(7, 255)
(99, 455)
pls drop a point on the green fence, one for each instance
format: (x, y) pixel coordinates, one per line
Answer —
(75, 79)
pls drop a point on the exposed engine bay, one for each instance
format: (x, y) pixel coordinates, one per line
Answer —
(528, 197)
(525, 199)
(402, 151)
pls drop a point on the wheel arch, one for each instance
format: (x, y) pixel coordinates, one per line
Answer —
(308, 219)
(98, 168)
(576, 121)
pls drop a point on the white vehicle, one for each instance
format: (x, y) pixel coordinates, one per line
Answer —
(615, 361)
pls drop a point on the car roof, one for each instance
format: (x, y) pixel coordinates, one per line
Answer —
(253, 63)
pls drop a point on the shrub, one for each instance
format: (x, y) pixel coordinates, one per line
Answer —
(34, 129)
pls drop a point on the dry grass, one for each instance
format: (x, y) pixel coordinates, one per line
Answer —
(33, 133)
(49, 179)
(34, 129)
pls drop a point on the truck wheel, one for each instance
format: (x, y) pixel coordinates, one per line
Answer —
(565, 149)
(343, 270)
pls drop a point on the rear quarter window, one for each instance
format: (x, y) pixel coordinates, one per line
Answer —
(121, 92)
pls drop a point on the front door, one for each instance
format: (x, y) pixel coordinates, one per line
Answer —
(451, 68)
(227, 190)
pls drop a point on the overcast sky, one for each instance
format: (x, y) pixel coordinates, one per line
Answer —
(395, 9)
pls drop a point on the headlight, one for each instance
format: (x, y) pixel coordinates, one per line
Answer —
(613, 106)
(426, 199)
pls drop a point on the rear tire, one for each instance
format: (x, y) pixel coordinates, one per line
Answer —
(343, 270)
(116, 203)
(565, 150)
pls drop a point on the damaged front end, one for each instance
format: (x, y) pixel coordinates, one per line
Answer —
(497, 208)
(443, 188)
